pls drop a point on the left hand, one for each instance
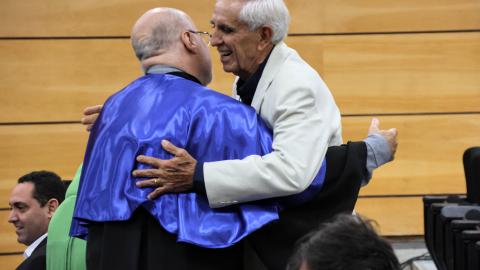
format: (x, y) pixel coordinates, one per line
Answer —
(173, 175)
(389, 135)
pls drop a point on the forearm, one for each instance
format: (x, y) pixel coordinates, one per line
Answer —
(378, 153)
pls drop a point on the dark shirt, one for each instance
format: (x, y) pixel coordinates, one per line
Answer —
(246, 91)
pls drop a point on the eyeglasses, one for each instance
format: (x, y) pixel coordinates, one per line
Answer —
(205, 35)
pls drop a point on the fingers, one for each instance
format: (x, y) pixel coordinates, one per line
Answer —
(172, 149)
(393, 140)
(172, 175)
(166, 165)
(154, 162)
(90, 116)
(147, 173)
(374, 126)
(157, 192)
(92, 110)
(393, 131)
(89, 119)
(154, 182)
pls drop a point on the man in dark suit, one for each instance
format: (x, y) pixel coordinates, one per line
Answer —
(33, 202)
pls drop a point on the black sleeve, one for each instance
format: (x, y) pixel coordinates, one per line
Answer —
(199, 180)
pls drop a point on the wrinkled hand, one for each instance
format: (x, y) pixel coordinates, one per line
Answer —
(90, 115)
(389, 135)
(173, 175)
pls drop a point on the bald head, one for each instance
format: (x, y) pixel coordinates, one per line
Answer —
(167, 36)
(158, 30)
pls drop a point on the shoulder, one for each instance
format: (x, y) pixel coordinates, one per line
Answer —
(287, 68)
(37, 260)
(216, 98)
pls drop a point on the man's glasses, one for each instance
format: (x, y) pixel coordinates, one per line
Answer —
(205, 35)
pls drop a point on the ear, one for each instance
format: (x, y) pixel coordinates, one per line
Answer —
(52, 206)
(189, 41)
(266, 34)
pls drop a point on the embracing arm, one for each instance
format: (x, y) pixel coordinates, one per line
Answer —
(176, 174)
(305, 121)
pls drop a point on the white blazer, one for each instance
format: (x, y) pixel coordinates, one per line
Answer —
(297, 105)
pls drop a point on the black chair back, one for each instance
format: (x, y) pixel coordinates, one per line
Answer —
(471, 165)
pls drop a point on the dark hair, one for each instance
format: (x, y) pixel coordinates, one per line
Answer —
(47, 185)
(347, 242)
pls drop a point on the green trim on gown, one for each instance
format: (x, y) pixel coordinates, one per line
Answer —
(65, 252)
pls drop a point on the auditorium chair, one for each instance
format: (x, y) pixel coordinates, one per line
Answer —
(466, 242)
(477, 254)
(471, 165)
(446, 216)
(453, 228)
(445, 220)
(433, 206)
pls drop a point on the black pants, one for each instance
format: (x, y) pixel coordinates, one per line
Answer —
(274, 243)
(141, 243)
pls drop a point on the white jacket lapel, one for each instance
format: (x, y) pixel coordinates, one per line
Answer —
(277, 57)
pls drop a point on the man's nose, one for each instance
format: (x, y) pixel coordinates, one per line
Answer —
(216, 39)
(12, 217)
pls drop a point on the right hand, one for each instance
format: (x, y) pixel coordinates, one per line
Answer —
(90, 115)
(167, 176)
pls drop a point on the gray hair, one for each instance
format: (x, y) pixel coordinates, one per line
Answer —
(272, 13)
(162, 36)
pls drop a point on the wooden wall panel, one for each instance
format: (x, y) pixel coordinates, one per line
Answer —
(429, 155)
(10, 261)
(395, 216)
(9, 237)
(116, 17)
(50, 80)
(88, 17)
(54, 80)
(428, 83)
(398, 73)
(346, 16)
(57, 148)
(423, 164)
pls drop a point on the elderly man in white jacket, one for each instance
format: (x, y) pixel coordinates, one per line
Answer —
(286, 92)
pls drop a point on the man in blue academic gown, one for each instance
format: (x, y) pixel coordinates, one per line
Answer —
(169, 103)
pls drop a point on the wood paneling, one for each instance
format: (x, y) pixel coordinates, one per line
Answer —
(346, 16)
(395, 216)
(424, 164)
(10, 261)
(88, 17)
(9, 237)
(398, 73)
(57, 148)
(53, 80)
(49, 80)
(116, 17)
(429, 154)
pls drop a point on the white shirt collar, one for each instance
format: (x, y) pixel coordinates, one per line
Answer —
(33, 246)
